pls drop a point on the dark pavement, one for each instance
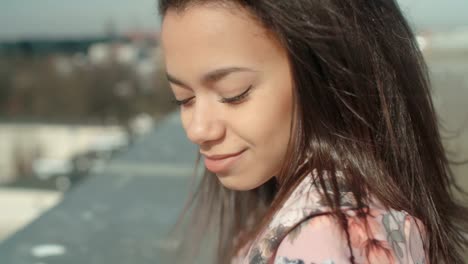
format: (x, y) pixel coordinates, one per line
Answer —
(120, 215)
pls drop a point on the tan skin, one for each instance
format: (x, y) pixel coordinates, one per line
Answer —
(213, 53)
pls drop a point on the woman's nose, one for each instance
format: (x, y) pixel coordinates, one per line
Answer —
(205, 125)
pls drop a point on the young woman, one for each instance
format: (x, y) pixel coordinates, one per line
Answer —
(317, 129)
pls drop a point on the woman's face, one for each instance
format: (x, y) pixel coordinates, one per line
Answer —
(213, 55)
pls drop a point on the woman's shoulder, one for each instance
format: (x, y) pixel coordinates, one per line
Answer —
(306, 230)
(374, 235)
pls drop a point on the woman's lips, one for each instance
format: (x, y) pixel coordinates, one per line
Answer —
(219, 165)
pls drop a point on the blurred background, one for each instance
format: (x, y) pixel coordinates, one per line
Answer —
(82, 82)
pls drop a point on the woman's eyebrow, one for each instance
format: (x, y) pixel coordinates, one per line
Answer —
(176, 81)
(218, 74)
(210, 77)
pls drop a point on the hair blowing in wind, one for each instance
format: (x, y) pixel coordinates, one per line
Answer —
(363, 106)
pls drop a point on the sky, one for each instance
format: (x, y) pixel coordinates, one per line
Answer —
(70, 18)
(74, 18)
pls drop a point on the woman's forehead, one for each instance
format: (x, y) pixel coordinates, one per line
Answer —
(207, 23)
(211, 37)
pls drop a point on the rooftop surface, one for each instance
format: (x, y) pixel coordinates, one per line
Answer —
(120, 215)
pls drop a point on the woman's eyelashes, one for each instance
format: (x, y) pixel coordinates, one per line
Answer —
(231, 100)
(237, 98)
(182, 102)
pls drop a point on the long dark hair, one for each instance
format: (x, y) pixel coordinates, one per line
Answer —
(362, 106)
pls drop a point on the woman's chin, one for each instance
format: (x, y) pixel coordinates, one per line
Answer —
(239, 182)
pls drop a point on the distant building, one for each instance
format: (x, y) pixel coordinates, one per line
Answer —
(43, 47)
(48, 148)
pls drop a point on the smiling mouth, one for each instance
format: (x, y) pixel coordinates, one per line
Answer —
(222, 163)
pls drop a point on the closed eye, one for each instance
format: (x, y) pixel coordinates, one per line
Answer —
(237, 98)
(230, 100)
(182, 102)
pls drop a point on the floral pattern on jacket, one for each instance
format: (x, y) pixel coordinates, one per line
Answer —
(304, 232)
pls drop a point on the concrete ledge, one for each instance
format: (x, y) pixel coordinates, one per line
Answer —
(120, 214)
(21, 206)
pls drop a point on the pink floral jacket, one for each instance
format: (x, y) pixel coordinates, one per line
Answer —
(303, 232)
